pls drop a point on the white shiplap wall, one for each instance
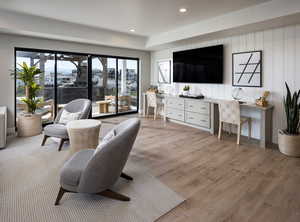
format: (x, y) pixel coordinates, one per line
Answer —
(281, 62)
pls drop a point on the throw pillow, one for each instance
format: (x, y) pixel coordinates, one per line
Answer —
(67, 116)
(110, 135)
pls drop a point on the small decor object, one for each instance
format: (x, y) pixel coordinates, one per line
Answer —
(262, 101)
(152, 89)
(29, 123)
(246, 69)
(164, 71)
(289, 139)
(237, 94)
(186, 90)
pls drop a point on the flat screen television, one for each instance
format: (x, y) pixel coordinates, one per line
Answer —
(202, 65)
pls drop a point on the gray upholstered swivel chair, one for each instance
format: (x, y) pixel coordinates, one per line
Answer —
(96, 171)
(59, 130)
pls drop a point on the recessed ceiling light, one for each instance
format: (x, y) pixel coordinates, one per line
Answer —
(182, 10)
(132, 30)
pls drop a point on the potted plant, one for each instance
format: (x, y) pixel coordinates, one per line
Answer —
(186, 90)
(289, 139)
(29, 123)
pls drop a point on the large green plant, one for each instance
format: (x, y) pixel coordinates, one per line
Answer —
(292, 111)
(28, 76)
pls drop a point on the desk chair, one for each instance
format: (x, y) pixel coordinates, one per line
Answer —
(152, 102)
(230, 113)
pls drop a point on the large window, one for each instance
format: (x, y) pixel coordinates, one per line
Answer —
(104, 86)
(115, 85)
(72, 78)
(110, 82)
(127, 85)
(46, 63)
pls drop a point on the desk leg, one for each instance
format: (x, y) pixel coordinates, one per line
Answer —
(214, 115)
(266, 127)
(165, 110)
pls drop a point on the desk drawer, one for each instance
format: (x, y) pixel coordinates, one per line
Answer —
(175, 103)
(198, 119)
(175, 114)
(197, 106)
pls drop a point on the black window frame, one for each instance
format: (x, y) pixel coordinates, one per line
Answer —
(90, 86)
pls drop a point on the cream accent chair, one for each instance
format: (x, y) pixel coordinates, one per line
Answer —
(59, 130)
(152, 102)
(230, 113)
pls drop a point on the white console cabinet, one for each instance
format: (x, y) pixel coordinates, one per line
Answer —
(193, 112)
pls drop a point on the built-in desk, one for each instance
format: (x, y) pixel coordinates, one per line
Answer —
(266, 120)
(204, 114)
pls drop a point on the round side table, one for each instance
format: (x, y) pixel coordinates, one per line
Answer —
(83, 134)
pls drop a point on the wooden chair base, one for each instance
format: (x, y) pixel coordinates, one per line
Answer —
(44, 140)
(106, 193)
(113, 195)
(61, 143)
(125, 176)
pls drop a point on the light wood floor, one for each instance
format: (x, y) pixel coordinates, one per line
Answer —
(220, 180)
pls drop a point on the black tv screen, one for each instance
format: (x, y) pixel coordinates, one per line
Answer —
(203, 65)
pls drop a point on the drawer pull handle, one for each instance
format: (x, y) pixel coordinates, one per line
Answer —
(191, 106)
(204, 121)
(191, 118)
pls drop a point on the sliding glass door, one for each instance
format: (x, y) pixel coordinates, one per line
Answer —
(115, 85)
(46, 63)
(72, 78)
(110, 82)
(104, 86)
(127, 85)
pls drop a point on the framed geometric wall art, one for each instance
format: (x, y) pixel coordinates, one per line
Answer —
(247, 69)
(164, 71)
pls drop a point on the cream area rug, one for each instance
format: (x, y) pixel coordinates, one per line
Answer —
(29, 183)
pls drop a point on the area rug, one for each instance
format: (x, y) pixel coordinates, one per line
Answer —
(29, 183)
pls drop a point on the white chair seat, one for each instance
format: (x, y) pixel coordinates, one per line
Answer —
(154, 103)
(230, 113)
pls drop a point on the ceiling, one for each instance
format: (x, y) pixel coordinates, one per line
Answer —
(147, 17)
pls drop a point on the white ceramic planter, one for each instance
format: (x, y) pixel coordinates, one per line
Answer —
(289, 144)
(29, 124)
(185, 93)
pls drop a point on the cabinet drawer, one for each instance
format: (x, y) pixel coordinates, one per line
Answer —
(198, 119)
(197, 106)
(175, 103)
(175, 114)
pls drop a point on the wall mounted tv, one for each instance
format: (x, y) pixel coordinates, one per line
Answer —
(202, 65)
